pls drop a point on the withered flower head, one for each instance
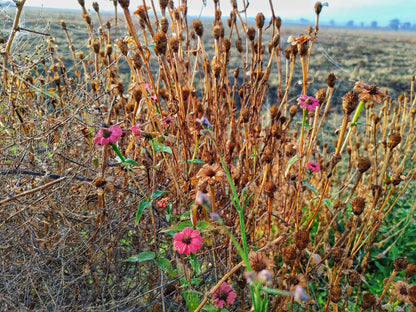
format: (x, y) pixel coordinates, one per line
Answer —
(259, 261)
(260, 20)
(368, 301)
(163, 4)
(331, 80)
(393, 140)
(338, 254)
(401, 291)
(349, 102)
(410, 271)
(269, 188)
(299, 40)
(216, 32)
(412, 294)
(302, 239)
(210, 174)
(123, 46)
(400, 264)
(363, 164)
(318, 7)
(96, 7)
(124, 3)
(335, 293)
(369, 93)
(354, 278)
(251, 33)
(164, 24)
(198, 27)
(161, 43)
(358, 205)
(174, 44)
(289, 254)
(320, 95)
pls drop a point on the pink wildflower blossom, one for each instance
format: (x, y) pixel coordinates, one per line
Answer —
(136, 130)
(107, 135)
(225, 294)
(163, 202)
(313, 166)
(308, 102)
(147, 86)
(187, 241)
(167, 121)
(153, 98)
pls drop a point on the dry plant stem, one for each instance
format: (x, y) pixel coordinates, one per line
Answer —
(344, 125)
(387, 285)
(15, 28)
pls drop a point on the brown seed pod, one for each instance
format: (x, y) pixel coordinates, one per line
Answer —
(318, 7)
(174, 44)
(302, 239)
(273, 111)
(410, 270)
(320, 95)
(163, 4)
(331, 80)
(363, 164)
(164, 24)
(338, 254)
(96, 7)
(393, 140)
(198, 27)
(226, 45)
(349, 102)
(400, 264)
(293, 110)
(260, 20)
(161, 43)
(269, 189)
(354, 278)
(251, 33)
(358, 205)
(124, 3)
(137, 60)
(245, 115)
(289, 254)
(239, 45)
(368, 301)
(335, 293)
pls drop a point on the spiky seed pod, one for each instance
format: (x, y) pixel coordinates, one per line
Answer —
(268, 155)
(335, 159)
(338, 254)
(363, 164)
(226, 45)
(137, 93)
(198, 27)
(216, 68)
(349, 102)
(80, 55)
(331, 80)
(288, 52)
(302, 239)
(94, 85)
(260, 20)
(393, 140)
(303, 49)
(161, 43)
(177, 14)
(251, 33)
(63, 24)
(269, 189)
(289, 254)
(400, 264)
(358, 205)
(124, 3)
(137, 60)
(320, 95)
(123, 46)
(239, 45)
(96, 46)
(108, 49)
(174, 44)
(164, 24)
(410, 270)
(217, 17)
(318, 7)
(88, 19)
(294, 50)
(293, 110)
(278, 22)
(368, 301)
(354, 278)
(412, 295)
(276, 131)
(96, 7)
(2, 40)
(57, 80)
(273, 111)
(216, 32)
(163, 4)
(335, 293)
(245, 115)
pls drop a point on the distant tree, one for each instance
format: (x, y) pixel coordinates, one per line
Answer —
(406, 26)
(362, 24)
(374, 24)
(350, 23)
(332, 22)
(394, 24)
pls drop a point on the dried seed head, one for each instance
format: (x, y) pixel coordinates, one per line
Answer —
(216, 32)
(234, 4)
(226, 44)
(161, 43)
(349, 102)
(268, 155)
(393, 140)
(410, 270)
(174, 44)
(288, 52)
(276, 131)
(239, 45)
(412, 295)
(88, 19)
(81, 3)
(303, 49)
(216, 68)
(96, 46)
(302, 239)
(289, 254)
(137, 93)
(269, 189)
(236, 72)
(163, 4)
(293, 110)
(108, 49)
(137, 60)
(320, 95)
(164, 24)
(124, 3)
(354, 278)
(123, 46)
(245, 115)
(273, 111)
(198, 27)
(338, 254)
(400, 264)
(368, 301)
(331, 80)
(251, 33)
(358, 205)
(318, 7)
(260, 20)
(278, 22)
(63, 24)
(363, 164)
(96, 7)
(335, 293)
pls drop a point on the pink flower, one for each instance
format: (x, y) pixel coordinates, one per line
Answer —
(187, 241)
(313, 166)
(308, 102)
(136, 130)
(147, 86)
(166, 121)
(107, 135)
(153, 98)
(163, 202)
(225, 294)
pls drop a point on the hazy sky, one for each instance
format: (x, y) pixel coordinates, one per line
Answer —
(340, 11)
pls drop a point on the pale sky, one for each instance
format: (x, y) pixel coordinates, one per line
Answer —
(340, 11)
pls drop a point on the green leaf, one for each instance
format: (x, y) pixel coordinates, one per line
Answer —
(195, 263)
(209, 308)
(192, 299)
(311, 188)
(151, 46)
(130, 162)
(157, 193)
(51, 94)
(195, 161)
(143, 256)
(164, 265)
(327, 202)
(160, 147)
(306, 126)
(117, 151)
(144, 203)
(202, 225)
(290, 163)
